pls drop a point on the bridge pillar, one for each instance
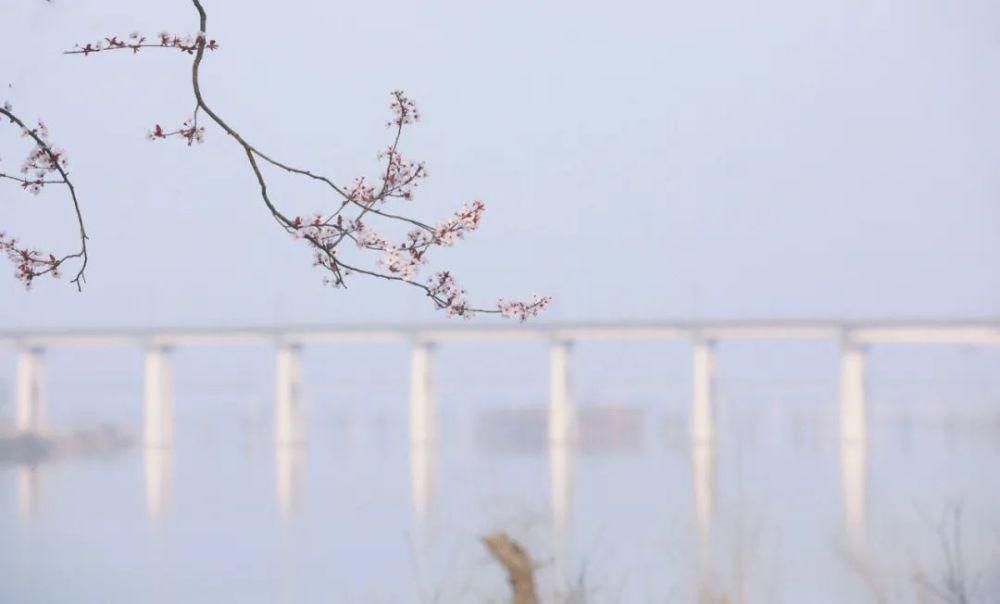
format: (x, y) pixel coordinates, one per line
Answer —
(562, 415)
(423, 405)
(853, 441)
(853, 411)
(288, 421)
(31, 412)
(703, 391)
(158, 398)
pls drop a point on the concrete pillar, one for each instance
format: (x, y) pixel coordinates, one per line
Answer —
(562, 415)
(853, 411)
(158, 398)
(853, 441)
(31, 412)
(288, 421)
(423, 405)
(703, 390)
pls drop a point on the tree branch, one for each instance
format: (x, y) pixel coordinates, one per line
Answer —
(401, 261)
(44, 160)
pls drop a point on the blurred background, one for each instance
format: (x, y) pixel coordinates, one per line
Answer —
(640, 161)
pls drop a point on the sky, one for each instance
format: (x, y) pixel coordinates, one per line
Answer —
(639, 160)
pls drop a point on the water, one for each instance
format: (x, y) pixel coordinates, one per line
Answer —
(776, 511)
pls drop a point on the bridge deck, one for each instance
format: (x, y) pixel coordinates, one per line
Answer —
(958, 331)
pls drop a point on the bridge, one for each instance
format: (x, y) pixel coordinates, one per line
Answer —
(855, 338)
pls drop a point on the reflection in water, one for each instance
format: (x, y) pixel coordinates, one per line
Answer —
(853, 412)
(30, 391)
(423, 405)
(289, 462)
(854, 442)
(159, 462)
(561, 497)
(158, 399)
(853, 481)
(703, 376)
(561, 409)
(460, 486)
(423, 489)
(703, 488)
(288, 420)
(29, 490)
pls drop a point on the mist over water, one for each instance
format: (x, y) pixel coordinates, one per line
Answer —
(776, 509)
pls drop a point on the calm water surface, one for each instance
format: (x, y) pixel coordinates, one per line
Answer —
(776, 511)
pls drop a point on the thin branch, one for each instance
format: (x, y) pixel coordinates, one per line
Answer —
(55, 163)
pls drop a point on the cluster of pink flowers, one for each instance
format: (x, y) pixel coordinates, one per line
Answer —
(136, 41)
(523, 310)
(465, 219)
(189, 130)
(402, 260)
(41, 163)
(324, 235)
(448, 295)
(360, 193)
(401, 175)
(404, 110)
(29, 263)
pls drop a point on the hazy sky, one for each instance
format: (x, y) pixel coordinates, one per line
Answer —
(640, 160)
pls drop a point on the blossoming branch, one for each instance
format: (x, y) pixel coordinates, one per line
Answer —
(359, 207)
(44, 165)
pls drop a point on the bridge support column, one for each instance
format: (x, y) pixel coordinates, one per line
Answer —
(853, 410)
(288, 423)
(158, 398)
(562, 415)
(703, 392)
(31, 412)
(423, 405)
(853, 441)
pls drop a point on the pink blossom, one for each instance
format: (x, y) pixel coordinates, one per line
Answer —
(523, 310)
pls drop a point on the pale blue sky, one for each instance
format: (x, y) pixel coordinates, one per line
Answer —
(641, 160)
